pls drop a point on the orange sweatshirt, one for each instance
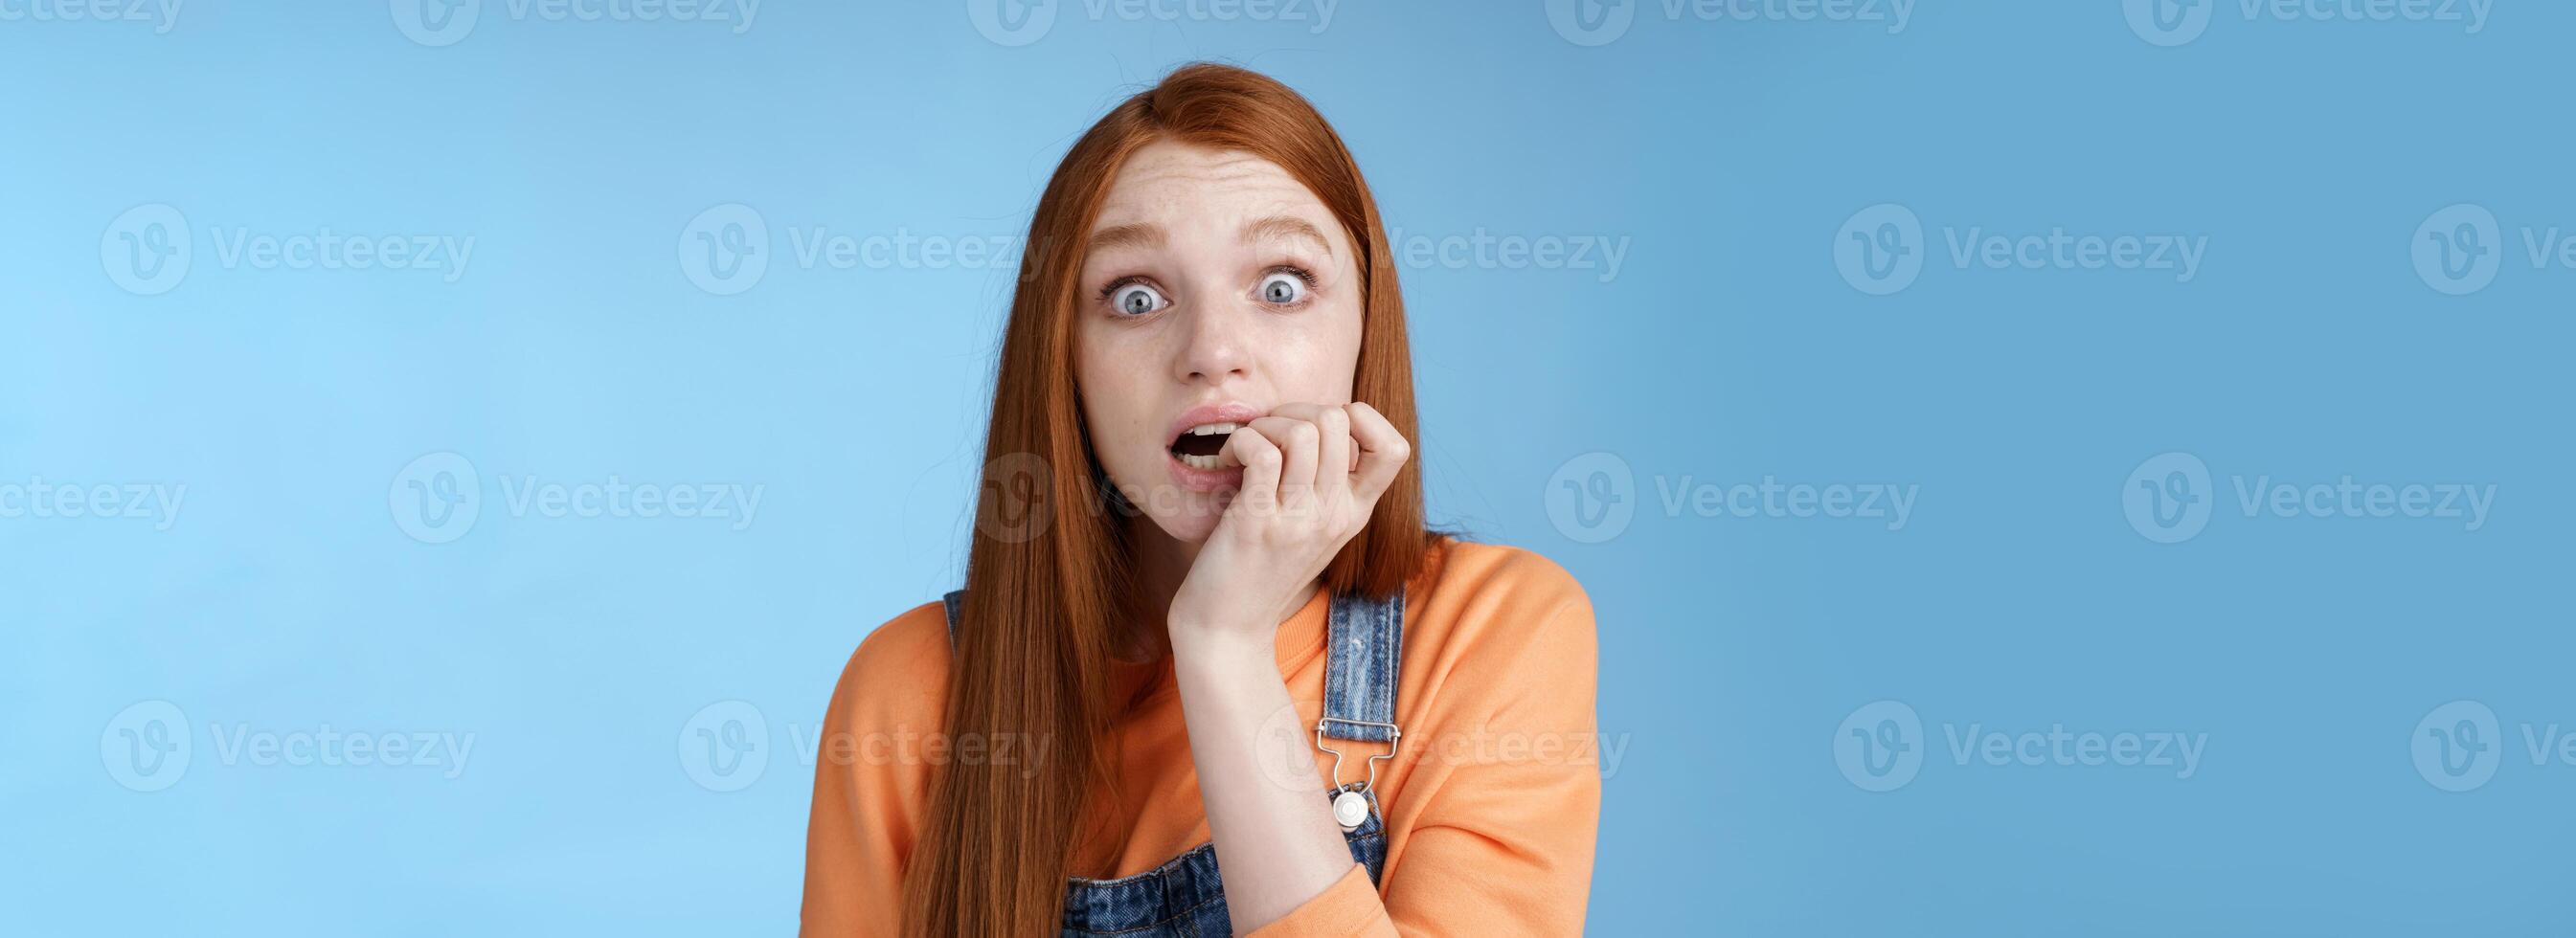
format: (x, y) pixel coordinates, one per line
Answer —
(1490, 806)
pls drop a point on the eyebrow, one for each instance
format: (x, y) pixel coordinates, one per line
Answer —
(1282, 226)
(1127, 236)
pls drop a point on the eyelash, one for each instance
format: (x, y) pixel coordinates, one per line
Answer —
(1294, 271)
(1302, 274)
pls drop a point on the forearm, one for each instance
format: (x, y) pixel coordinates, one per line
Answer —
(1275, 837)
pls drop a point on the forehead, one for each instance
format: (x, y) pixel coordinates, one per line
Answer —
(1178, 185)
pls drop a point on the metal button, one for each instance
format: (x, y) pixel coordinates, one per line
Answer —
(1349, 809)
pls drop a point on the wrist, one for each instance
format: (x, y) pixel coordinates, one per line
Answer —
(1196, 642)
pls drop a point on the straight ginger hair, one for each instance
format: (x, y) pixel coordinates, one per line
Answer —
(1044, 614)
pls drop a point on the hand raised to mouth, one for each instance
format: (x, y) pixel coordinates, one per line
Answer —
(1204, 446)
(1312, 475)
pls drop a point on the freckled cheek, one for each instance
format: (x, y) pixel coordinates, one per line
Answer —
(1118, 399)
(1312, 359)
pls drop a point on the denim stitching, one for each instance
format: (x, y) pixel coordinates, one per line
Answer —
(1150, 926)
(1157, 871)
(1357, 685)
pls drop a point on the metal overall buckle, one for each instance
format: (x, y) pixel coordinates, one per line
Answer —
(1350, 802)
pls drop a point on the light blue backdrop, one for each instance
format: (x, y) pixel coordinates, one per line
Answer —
(291, 472)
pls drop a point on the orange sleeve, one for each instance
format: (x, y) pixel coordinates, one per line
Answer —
(1507, 785)
(870, 781)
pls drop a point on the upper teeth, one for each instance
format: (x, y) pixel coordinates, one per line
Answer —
(1212, 429)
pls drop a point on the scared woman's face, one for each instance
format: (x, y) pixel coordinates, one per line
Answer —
(1215, 288)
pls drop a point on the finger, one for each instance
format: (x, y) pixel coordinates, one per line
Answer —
(1383, 452)
(1334, 454)
(1297, 440)
(1260, 458)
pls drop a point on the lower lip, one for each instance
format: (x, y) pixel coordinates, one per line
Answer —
(1194, 479)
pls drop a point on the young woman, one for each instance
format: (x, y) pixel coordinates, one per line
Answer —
(1214, 634)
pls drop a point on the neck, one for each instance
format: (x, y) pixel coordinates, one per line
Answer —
(1162, 562)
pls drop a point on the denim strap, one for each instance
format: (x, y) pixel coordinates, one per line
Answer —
(956, 603)
(1364, 647)
(1364, 651)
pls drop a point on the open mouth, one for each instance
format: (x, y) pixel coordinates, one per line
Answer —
(1198, 447)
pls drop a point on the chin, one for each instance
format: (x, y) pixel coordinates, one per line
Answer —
(1185, 503)
(1181, 514)
(1187, 529)
(1191, 517)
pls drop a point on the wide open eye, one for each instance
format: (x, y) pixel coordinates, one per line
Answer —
(1283, 288)
(1135, 299)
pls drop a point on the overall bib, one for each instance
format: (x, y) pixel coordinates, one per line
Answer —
(1184, 896)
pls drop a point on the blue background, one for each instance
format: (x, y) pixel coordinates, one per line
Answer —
(2018, 596)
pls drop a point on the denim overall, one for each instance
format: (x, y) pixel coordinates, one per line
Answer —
(1364, 643)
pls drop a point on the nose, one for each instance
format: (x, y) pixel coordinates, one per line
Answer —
(1216, 347)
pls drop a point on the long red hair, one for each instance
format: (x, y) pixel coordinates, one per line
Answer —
(1047, 595)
